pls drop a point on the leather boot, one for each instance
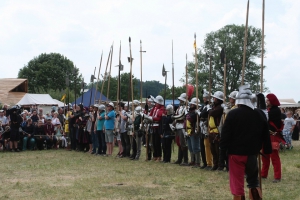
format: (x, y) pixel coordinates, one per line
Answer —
(138, 153)
(180, 156)
(238, 197)
(185, 155)
(255, 193)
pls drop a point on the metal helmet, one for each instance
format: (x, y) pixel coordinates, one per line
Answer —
(96, 105)
(136, 102)
(101, 107)
(159, 100)
(218, 95)
(233, 94)
(126, 104)
(182, 97)
(194, 101)
(205, 93)
(151, 99)
(137, 110)
(169, 109)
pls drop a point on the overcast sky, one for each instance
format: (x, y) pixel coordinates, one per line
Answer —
(81, 30)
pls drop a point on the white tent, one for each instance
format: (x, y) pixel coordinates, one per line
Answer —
(59, 103)
(37, 99)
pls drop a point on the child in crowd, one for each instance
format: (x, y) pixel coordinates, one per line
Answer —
(289, 125)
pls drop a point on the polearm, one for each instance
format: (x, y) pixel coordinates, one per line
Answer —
(104, 76)
(173, 94)
(141, 82)
(120, 66)
(262, 48)
(82, 87)
(164, 74)
(261, 81)
(131, 84)
(223, 61)
(186, 85)
(92, 80)
(75, 75)
(209, 88)
(196, 71)
(245, 44)
(108, 85)
(98, 78)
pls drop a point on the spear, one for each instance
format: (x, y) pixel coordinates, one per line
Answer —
(119, 76)
(196, 71)
(164, 74)
(245, 44)
(186, 84)
(98, 77)
(92, 80)
(262, 48)
(82, 87)
(104, 76)
(141, 82)
(223, 61)
(131, 85)
(112, 50)
(173, 94)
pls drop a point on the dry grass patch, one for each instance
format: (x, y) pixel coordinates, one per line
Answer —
(74, 175)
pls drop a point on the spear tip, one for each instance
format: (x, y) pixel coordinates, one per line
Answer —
(129, 39)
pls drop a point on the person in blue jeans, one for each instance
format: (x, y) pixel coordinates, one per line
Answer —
(99, 130)
(109, 127)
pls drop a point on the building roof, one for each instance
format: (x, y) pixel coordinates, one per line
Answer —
(12, 90)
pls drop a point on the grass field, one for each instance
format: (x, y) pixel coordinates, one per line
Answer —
(60, 174)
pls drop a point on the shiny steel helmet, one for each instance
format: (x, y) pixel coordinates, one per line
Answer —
(182, 97)
(169, 109)
(101, 107)
(194, 101)
(233, 94)
(159, 100)
(136, 103)
(137, 110)
(218, 95)
(126, 104)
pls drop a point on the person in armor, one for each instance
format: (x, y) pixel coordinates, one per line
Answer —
(275, 130)
(137, 137)
(84, 137)
(123, 130)
(214, 118)
(244, 134)
(179, 118)
(167, 134)
(223, 161)
(28, 131)
(73, 126)
(148, 143)
(204, 141)
(155, 117)
(193, 138)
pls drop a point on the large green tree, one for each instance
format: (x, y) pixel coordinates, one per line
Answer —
(47, 73)
(230, 37)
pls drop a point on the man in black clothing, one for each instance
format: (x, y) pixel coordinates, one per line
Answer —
(244, 134)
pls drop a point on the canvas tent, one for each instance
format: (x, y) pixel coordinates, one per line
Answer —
(86, 98)
(37, 99)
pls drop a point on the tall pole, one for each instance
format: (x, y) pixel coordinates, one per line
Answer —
(164, 74)
(262, 48)
(131, 84)
(104, 76)
(196, 71)
(82, 86)
(209, 88)
(119, 76)
(98, 78)
(173, 95)
(186, 85)
(108, 86)
(223, 61)
(245, 44)
(141, 82)
(75, 76)
(92, 80)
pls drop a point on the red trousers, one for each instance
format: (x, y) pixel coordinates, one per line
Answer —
(276, 164)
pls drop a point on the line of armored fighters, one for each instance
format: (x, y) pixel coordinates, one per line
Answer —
(194, 130)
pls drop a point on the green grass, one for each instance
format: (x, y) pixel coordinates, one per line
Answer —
(60, 174)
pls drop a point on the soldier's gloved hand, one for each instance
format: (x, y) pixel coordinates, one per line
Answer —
(172, 127)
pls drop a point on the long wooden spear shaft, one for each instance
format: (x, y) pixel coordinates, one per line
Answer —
(245, 44)
(173, 94)
(92, 80)
(104, 76)
(112, 51)
(209, 88)
(98, 78)
(186, 85)
(262, 48)
(131, 84)
(119, 76)
(196, 71)
(224, 89)
(261, 80)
